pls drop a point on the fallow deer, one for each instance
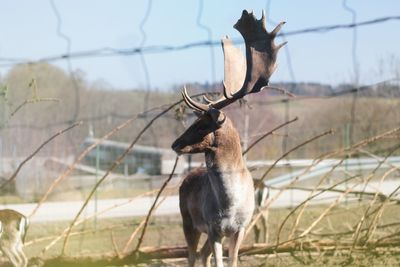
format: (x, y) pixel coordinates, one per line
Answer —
(219, 200)
(12, 236)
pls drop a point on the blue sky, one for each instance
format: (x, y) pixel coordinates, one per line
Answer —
(28, 29)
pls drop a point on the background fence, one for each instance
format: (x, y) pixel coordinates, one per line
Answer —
(68, 141)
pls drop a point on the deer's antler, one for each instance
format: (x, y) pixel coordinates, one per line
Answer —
(245, 78)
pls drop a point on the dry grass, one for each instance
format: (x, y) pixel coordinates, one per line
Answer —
(166, 231)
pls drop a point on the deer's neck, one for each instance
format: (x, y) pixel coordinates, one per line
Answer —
(225, 154)
(226, 168)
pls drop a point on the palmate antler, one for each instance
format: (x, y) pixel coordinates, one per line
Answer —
(242, 76)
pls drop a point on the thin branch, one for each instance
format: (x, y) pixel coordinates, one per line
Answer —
(116, 163)
(319, 159)
(159, 253)
(325, 212)
(137, 229)
(115, 246)
(307, 200)
(261, 184)
(267, 134)
(52, 243)
(14, 175)
(381, 208)
(31, 101)
(376, 195)
(71, 167)
(154, 204)
(351, 232)
(132, 236)
(311, 193)
(80, 232)
(326, 189)
(362, 143)
(261, 180)
(281, 90)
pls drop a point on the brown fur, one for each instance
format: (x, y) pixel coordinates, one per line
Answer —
(217, 200)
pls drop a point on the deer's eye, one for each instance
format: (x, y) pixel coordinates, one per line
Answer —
(202, 127)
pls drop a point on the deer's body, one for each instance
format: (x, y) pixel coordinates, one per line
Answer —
(216, 216)
(219, 200)
(12, 237)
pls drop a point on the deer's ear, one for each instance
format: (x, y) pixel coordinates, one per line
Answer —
(217, 116)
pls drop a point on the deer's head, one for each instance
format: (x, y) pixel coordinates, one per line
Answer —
(241, 77)
(200, 136)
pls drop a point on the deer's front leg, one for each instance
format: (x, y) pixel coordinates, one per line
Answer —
(234, 244)
(7, 250)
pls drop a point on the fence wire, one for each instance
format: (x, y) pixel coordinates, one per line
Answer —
(364, 118)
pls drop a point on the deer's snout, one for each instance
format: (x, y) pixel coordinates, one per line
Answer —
(176, 147)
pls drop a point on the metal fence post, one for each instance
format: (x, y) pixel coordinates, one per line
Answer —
(97, 177)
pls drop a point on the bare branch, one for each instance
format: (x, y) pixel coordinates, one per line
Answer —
(261, 180)
(14, 175)
(151, 253)
(65, 231)
(62, 176)
(112, 167)
(31, 101)
(115, 246)
(154, 204)
(267, 134)
(281, 90)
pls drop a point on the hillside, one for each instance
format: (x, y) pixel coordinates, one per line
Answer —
(55, 99)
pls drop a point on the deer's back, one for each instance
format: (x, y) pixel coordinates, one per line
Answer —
(8, 216)
(14, 224)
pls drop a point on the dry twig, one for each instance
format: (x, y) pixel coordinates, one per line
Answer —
(14, 175)
(267, 134)
(154, 204)
(112, 167)
(261, 180)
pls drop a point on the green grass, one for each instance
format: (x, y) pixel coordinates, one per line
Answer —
(166, 231)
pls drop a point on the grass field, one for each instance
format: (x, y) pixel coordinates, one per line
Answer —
(105, 237)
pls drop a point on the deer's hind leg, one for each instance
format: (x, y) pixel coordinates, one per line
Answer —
(257, 232)
(264, 221)
(205, 253)
(11, 255)
(192, 236)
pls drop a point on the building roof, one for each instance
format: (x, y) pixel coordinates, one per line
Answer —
(122, 145)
